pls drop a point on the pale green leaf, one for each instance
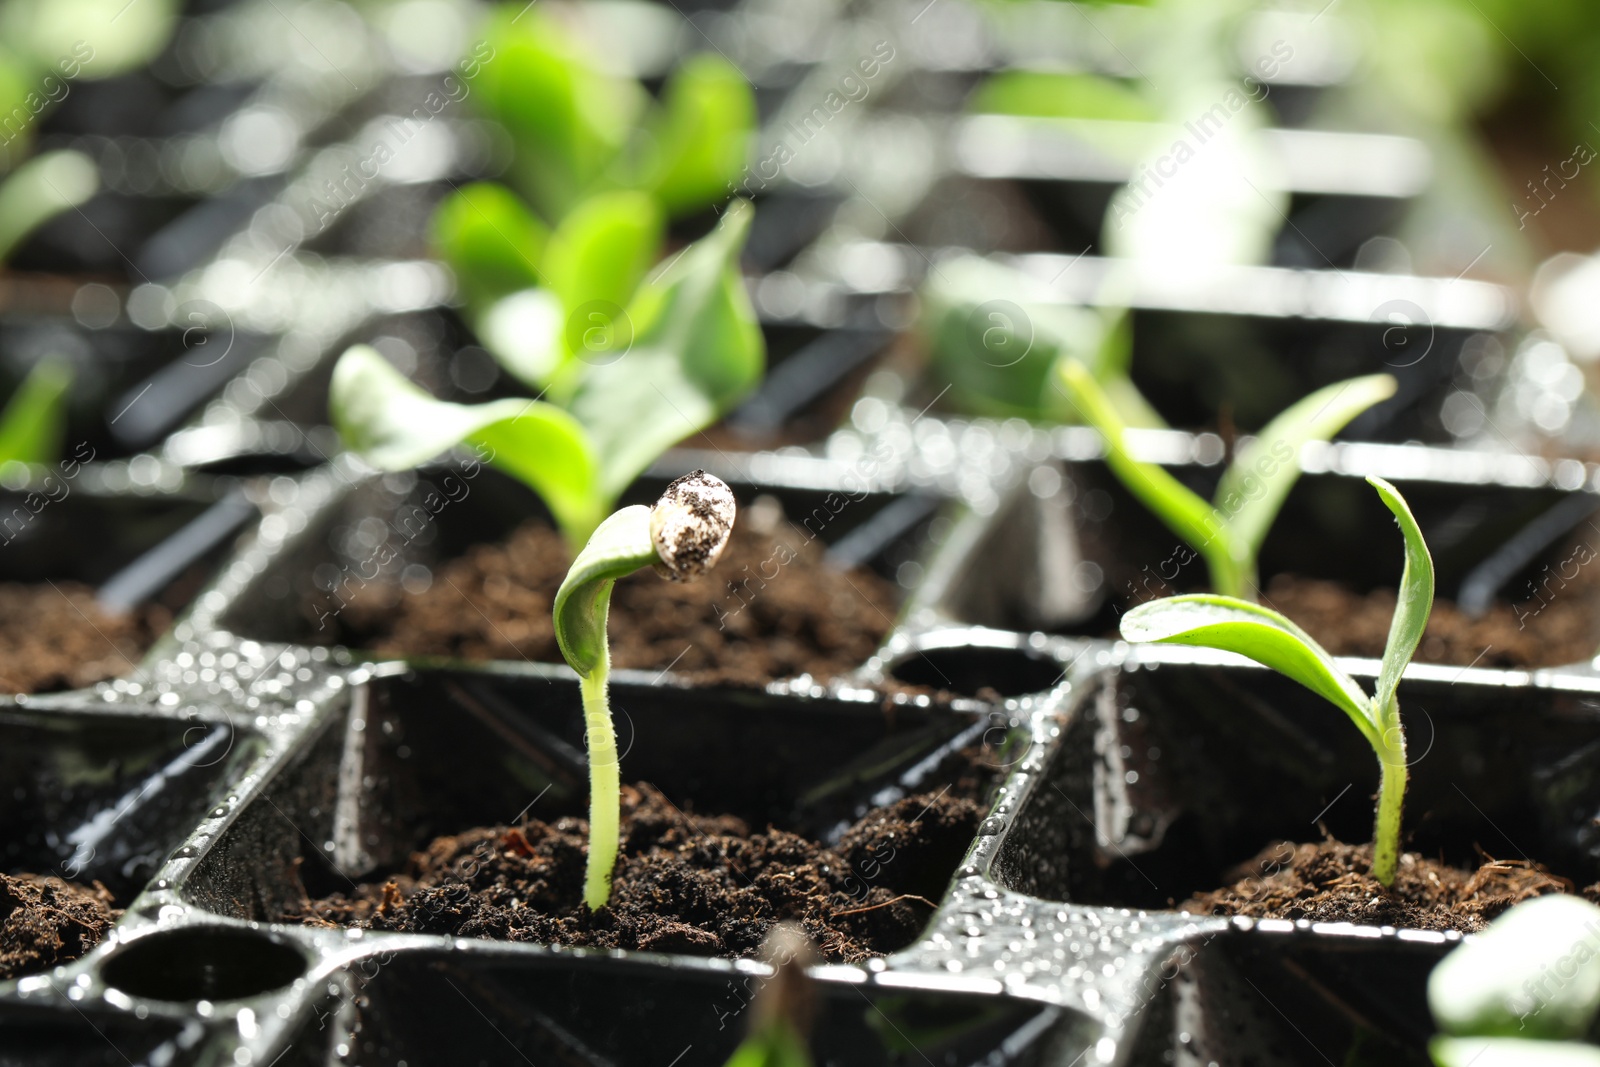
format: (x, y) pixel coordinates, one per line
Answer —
(697, 350)
(523, 333)
(1413, 602)
(396, 426)
(600, 252)
(41, 189)
(619, 546)
(34, 421)
(1185, 512)
(491, 240)
(567, 117)
(1535, 972)
(95, 38)
(703, 136)
(1250, 630)
(1511, 1052)
(1051, 94)
(1254, 486)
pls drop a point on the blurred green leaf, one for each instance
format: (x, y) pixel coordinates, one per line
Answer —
(34, 422)
(40, 189)
(776, 1045)
(1511, 1052)
(490, 240)
(602, 249)
(995, 333)
(697, 349)
(1048, 94)
(567, 118)
(1535, 972)
(702, 134)
(103, 37)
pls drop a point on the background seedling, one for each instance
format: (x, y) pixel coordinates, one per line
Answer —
(783, 1009)
(681, 537)
(1228, 533)
(1235, 625)
(695, 351)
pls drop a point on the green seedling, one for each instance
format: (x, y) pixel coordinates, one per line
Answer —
(1525, 992)
(578, 129)
(41, 189)
(1227, 533)
(34, 421)
(1233, 625)
(686, 350)
(681, 537)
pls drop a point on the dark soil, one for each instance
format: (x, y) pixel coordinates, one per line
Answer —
(696, 885)
(1328, 882)
(1563, 630)
(53, 636)
(771, 609)
(45, 921)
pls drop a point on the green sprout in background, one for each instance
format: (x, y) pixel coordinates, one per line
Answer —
(1525, 992)
(999, 354)
(784, 1006)
(1253, 488)
(33, 424)
(681, 537)
(600, 168)
(1233, 625)
(48, 44)
(692, 350)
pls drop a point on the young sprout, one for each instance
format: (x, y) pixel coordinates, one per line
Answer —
(681, 537)
(692, 349)
(1229, 533)
(1233, 625)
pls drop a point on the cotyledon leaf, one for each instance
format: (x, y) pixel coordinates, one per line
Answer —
(1250, 630)
(396, 426)
(1413, 603)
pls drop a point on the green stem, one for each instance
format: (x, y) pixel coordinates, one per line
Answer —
(605, 784)
(1391, 797)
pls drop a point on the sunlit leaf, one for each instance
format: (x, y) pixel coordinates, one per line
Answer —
(1250, 630)
(491, 240)
(1511, 1052)
(619, 546)
(97, 38)
(41, 189)
(396, 426)
(1535, 972)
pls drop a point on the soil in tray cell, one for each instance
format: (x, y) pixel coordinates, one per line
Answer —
(53, 636)
(689, 884)
(772, 608)
(45, 922)
(1329, 882)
